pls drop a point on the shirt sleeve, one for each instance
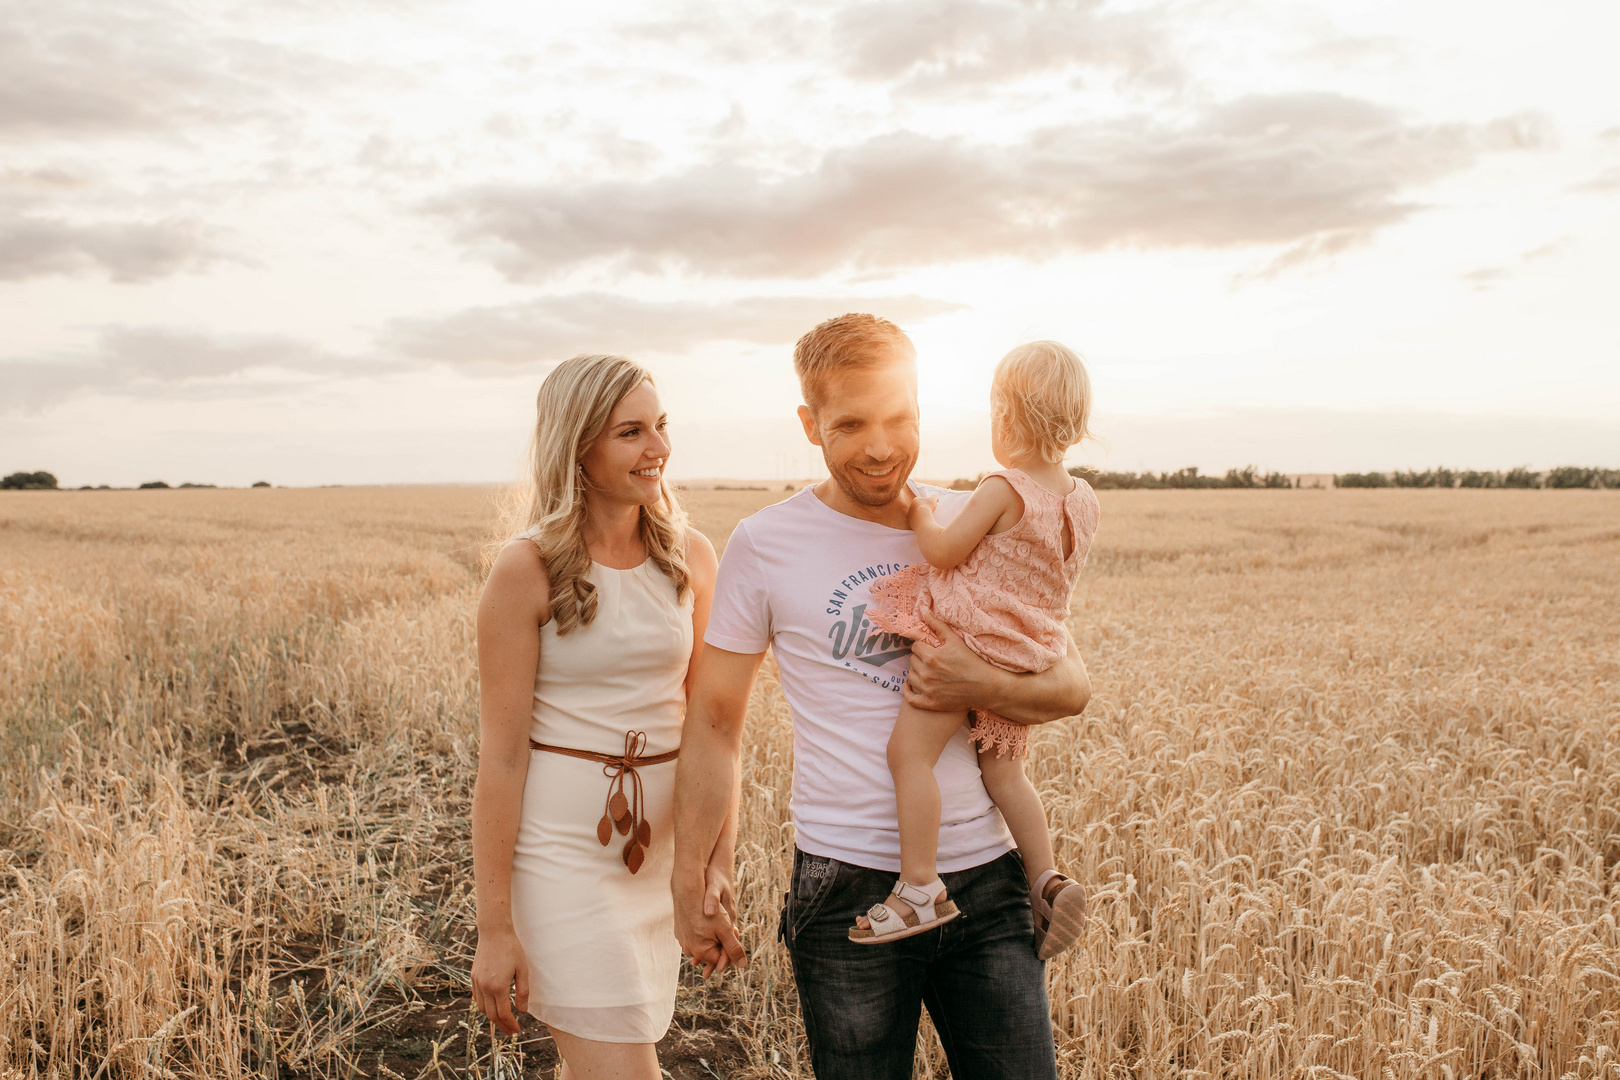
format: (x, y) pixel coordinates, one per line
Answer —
(951, 503)
(740, 616)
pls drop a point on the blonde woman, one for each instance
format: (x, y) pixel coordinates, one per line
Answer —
(589, 625)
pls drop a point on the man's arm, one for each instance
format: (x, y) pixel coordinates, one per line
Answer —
(951, 677)
(706, 784)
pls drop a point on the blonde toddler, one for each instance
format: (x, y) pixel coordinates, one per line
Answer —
(1000, 575)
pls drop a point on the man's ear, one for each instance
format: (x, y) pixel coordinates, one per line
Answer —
(808, 419)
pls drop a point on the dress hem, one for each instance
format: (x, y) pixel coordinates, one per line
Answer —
(539, 1014)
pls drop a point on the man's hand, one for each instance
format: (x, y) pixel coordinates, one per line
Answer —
(949, 677)
(706, 934)
(717, 895)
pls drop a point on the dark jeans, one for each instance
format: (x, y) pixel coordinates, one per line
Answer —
(978, 975)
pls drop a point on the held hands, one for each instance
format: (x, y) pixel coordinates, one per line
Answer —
(948, 677)
(717, 895)
(705, 921)
(499, 963)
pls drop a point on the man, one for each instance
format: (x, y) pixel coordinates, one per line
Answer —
(796, 577)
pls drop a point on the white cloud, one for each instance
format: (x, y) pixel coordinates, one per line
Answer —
(85, 69)
(148, 360)
(944, 48)
(556, 327)
(133, 359)
(35, 246)
(1291, 169)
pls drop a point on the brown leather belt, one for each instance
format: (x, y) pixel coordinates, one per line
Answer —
(625, 814)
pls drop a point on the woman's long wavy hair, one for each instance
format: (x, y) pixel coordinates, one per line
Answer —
(571, 411)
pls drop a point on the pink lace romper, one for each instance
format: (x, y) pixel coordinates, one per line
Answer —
(1008, 599)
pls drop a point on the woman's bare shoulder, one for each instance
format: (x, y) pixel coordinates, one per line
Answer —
(518, 580)
(700, 557)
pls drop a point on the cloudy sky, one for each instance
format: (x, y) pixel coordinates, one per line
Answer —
(339, 242)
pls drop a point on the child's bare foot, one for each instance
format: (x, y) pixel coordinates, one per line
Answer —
(908, 910)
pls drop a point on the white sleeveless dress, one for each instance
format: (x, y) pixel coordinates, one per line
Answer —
(603, 959)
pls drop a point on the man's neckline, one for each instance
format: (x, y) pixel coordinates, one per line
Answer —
(914, 487)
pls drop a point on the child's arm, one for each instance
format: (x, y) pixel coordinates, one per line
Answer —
(995, 507)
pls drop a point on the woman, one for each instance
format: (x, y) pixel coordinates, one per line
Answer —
(589, 627)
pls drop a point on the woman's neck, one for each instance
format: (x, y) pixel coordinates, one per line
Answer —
(612, 532)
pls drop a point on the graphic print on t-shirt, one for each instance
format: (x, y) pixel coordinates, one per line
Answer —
(854, 642)
(796, 578)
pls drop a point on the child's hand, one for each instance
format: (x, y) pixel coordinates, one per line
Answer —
(922, 509)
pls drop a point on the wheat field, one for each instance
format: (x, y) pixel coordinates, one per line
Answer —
(1347, 796)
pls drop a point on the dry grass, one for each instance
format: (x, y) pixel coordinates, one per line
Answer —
(1347, 795)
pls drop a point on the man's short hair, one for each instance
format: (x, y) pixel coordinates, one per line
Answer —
(842, 343)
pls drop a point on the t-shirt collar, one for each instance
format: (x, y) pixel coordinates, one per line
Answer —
(809, 492)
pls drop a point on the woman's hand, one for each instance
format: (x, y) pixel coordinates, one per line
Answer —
(720, 902)
(922, 510)
(499, 963)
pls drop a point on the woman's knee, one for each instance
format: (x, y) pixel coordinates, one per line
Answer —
(589, 1059)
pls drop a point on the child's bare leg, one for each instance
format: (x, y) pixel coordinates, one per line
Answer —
(1020, 806)
(914, 748)
(1060, 909)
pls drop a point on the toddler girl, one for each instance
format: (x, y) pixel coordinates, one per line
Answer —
(1000, 575)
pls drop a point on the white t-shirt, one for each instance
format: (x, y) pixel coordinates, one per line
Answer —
(797, 577)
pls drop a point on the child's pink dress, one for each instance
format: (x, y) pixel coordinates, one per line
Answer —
(1008, 599)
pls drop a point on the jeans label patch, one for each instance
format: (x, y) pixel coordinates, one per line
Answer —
(812, 872)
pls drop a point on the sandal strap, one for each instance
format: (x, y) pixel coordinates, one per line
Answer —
(887, 922)
(919, 895)
(878, 913)
(1037, 894)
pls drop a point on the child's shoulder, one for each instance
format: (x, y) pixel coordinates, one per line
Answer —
(1005, 491)
(1023, 484)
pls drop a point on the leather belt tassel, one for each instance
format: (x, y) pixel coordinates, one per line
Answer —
(626, 813)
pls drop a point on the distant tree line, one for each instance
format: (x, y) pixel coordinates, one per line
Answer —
(1565, 476)
(1189, 477)
(44, 481)
(28, 481)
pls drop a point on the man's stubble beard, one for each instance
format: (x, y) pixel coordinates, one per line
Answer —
(840, 477)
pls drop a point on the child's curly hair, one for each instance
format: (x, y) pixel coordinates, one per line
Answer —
(1041, 399)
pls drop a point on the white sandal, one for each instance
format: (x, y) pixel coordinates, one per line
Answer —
(928, 910)
(1059, 922)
